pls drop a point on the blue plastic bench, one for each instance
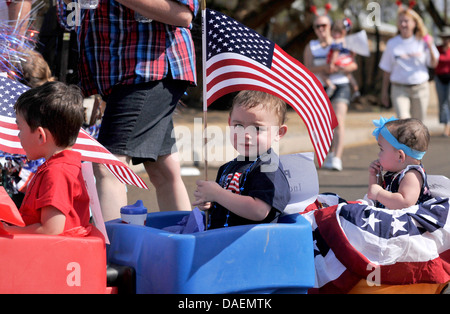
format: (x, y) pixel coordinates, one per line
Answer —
(264, 258)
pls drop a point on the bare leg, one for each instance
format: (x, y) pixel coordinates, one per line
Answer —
(112, 193)
(340, 110)
(166, 177)
(447, 130)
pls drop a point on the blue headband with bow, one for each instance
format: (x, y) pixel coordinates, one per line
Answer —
(381, 129)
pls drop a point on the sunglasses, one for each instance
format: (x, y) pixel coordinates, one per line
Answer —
(320, 25)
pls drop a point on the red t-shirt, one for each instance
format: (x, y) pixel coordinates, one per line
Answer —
(443, 67)
(59, 183)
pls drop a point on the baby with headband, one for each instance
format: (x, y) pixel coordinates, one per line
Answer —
(402, 144)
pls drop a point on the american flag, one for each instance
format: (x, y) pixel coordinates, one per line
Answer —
(90, 149)
(238, 58)
(355, 241)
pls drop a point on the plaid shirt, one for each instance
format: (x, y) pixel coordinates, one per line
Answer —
(116, 49)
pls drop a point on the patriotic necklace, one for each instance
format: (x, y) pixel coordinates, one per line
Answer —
(241, 187)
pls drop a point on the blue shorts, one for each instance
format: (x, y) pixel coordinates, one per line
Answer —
(342, 94)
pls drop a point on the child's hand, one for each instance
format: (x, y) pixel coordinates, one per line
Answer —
(205, 193)
(374, 167)
(333, 69)
(374, 187)
(203, 206)
(374, 172)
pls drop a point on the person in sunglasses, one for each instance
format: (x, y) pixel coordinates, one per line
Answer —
(315, 59)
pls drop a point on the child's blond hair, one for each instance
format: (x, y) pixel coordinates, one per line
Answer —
(250, 99)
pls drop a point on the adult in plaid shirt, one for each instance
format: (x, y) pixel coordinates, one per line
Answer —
(141, 69)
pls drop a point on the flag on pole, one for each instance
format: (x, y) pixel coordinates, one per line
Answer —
(238, 58)
(90, 149)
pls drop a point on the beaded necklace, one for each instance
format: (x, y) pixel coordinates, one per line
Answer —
(241, 186)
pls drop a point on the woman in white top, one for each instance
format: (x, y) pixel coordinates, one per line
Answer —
(405, 63)
(315, 59)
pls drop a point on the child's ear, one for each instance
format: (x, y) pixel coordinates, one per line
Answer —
(401, 156)
(282, 131)
(43, 134)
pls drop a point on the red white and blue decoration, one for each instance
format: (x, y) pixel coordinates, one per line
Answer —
(406, 246)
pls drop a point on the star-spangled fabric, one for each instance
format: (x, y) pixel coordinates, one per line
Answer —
(226, 35)
(238, 58)
(408, 246)
(90, 149)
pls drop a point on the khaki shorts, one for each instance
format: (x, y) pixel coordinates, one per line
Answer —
(410, 101)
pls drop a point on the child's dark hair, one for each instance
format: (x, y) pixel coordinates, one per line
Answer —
(411, 132)
(55, 106)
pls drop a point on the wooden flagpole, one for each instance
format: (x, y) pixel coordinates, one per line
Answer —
(205, 104)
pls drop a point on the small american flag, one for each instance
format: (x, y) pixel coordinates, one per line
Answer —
(90, 149)
(238, 58)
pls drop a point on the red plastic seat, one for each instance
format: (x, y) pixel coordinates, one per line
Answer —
(53, 264)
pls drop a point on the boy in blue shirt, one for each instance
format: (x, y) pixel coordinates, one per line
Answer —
(256, 180)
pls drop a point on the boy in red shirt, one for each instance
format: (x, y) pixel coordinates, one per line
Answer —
(49, 118)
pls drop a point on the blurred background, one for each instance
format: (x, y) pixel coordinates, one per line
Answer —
(286, 22)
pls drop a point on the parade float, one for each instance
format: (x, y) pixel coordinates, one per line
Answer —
(331, 247)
